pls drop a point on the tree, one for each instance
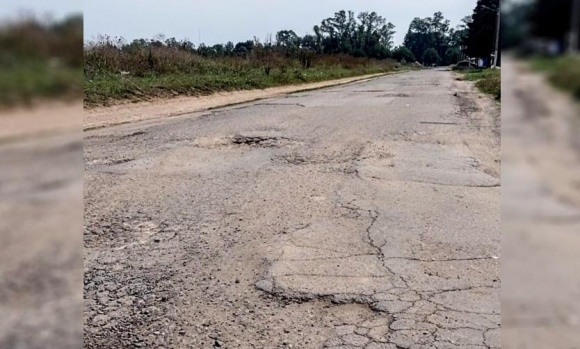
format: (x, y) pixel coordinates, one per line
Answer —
(287, 39)
(418, 38)
(480, 38)
(205, 50)
(319, 39)
(431, 32)
(515, 24)
(219, 50)
(229, 48)
(402, 53)
(550, 20)
(452, 55)
(243, 48)
(542, 17)
(430, 56)
(366, 34)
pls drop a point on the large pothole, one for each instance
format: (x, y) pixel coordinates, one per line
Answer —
(250, 139)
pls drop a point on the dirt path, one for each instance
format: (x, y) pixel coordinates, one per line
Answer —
(359, 216)
(540, 214)
(45, 119)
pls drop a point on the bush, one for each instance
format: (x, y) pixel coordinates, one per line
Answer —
(566, 74)
(487, 80)
(491, 83)
(402, 53)
(430, 56)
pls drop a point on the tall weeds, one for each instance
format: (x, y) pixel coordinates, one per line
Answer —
(115, 70)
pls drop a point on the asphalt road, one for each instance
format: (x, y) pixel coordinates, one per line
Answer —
(359, 216)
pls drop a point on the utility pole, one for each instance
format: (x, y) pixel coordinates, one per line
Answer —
(575, 26)
(497, 23)
(497, 39)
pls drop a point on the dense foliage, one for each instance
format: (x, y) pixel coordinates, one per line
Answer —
(435, 33)
(481, 29)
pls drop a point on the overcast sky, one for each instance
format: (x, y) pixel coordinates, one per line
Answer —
(219, 21)
(57, 9)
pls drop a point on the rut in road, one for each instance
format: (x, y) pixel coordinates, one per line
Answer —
(351, 219)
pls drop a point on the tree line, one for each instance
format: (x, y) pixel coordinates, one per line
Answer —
(429, 40)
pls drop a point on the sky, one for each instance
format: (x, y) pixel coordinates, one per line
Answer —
(220, 21)
(57, 9)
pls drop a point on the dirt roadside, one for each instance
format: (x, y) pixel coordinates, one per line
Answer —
(540, 212)
(44, 119)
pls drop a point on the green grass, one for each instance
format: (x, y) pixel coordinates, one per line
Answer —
(40, 60)
(487, 80)
(563, 72)
(544, 64)
(103, 89)
(29, 80)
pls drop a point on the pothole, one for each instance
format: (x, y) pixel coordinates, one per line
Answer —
(254, 140)
(260, 141)
(466, 105)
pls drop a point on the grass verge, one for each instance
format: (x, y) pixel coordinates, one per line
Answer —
(486, 80)
(116, 71)
(40, 60)
(563, 72)
(28, 81)
(106, 88)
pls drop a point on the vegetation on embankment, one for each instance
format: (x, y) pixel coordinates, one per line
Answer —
(344, 45)
(40, 60)
(113, 74)
(486, 80)
(563, 72)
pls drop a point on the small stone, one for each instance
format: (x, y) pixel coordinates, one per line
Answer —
(100, 320)
(265, 285)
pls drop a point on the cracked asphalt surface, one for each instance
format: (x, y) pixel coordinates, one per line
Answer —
(359, 216)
